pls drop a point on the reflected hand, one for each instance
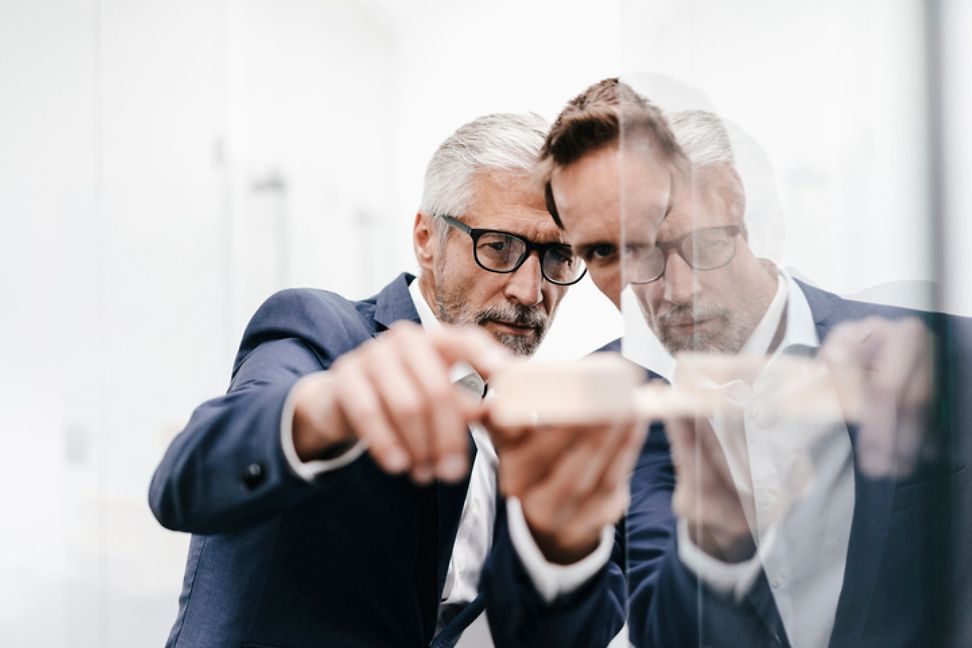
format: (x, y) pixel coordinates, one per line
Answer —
(705, 493)
(890, 364)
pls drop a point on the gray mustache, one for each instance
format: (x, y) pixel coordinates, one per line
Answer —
(517, 315)
(685, 313)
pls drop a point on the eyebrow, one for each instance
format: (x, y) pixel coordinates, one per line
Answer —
(558, 240)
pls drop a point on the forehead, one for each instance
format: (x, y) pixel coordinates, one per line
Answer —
(513, 202)
(705, 197)
(613, 190)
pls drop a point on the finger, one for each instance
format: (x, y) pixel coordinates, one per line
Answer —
(720, 506)
(597, 511)
(605, 444)
(405, 408)
(714, 464)
(606, 503)
(527, 462)
(557, 497)
(875, 438)
(681, 439)
(448, 411)
(619, 472)
(502, 435)
(914, 440)
(897, 355)
(362, 409)
(471, 345)
(843, 342)
(898, 392)
(844, 363)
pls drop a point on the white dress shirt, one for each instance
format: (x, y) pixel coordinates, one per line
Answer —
(795, 479)
(475, 532)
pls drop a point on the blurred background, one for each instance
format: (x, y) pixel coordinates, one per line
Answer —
(166, 166)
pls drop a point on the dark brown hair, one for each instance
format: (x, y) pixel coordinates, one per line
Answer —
(603, 114)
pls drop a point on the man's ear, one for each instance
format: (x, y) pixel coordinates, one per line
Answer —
(425, 241)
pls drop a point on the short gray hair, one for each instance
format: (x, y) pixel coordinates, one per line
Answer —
(702, 136)
(706, 139)
(499, 141)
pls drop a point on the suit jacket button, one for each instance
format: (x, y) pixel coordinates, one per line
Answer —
(253, 475)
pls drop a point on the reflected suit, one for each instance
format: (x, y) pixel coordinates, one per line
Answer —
(907, 561)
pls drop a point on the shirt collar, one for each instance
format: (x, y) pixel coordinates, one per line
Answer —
(762, 336)
(460, 372)
(801, 327)
(789, 301)
(429, 321)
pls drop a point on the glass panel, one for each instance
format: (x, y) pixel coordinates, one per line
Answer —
(819, 483)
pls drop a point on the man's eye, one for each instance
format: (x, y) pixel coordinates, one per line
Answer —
(497, 246)
(712, 244)
(560, 255)
(601, 252)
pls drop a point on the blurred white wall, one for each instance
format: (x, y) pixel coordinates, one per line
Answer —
(956, 48)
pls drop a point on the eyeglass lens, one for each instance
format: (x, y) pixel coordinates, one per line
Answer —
(503, 252)
(703, 250)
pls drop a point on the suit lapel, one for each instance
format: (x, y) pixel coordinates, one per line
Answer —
(394, 303)
(865, 551)
(872, 506)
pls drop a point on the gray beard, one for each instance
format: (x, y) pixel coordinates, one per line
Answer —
(453, 310)
(729, 338)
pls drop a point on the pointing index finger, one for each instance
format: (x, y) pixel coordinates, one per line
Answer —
(470, 345)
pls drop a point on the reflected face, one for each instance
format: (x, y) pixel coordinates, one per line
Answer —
(617, 203)
(515, 307)
(706, 310)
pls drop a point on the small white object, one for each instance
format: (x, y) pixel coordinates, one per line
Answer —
(594, 390)
(607, 388)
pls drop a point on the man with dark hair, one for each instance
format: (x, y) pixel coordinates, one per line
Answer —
(751, 557)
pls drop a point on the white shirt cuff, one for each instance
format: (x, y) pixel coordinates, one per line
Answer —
(552, 580)
(310, 470)
(726, 579)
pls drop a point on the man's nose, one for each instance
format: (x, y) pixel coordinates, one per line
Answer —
(526, 282)
(680, 280)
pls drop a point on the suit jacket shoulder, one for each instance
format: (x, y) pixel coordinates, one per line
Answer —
(328, 323)
(226, 469)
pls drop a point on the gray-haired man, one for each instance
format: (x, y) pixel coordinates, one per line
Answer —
(335, 493)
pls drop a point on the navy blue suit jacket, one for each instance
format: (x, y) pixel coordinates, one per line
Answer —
(907, 571)
(357, 558)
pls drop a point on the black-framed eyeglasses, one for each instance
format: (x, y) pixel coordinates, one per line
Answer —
(503, 252)
(703, 249)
